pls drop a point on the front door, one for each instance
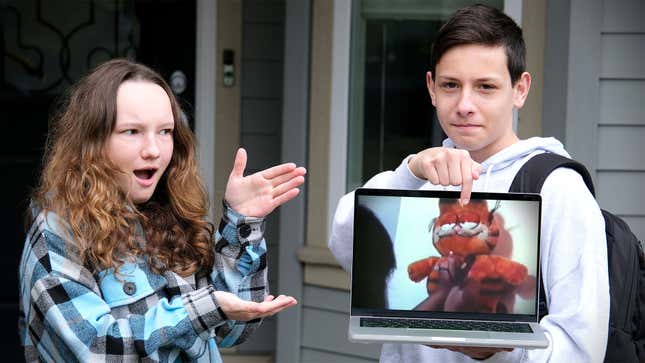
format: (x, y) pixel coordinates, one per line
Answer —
(47, 45)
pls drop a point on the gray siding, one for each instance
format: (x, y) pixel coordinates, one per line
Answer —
(623, 16)
(621, 102)
(621, 127)
(315, 356)
(261, 122)
(295, 112)
(325, 323)
(622, 192)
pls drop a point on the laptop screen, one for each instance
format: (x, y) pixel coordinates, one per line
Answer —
(422, 254)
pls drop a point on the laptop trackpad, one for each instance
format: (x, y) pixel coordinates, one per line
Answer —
(447, 335)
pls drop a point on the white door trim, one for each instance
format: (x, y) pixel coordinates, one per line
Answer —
(205, 70)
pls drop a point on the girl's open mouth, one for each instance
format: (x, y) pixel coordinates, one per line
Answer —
(145, 174)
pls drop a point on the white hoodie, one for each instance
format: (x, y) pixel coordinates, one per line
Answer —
(573, 257)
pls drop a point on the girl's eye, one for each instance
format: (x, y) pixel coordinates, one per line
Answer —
(130, 131)
(166, 132)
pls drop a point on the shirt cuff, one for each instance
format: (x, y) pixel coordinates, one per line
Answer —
(406, 177)
(203, 310)
(239, 228)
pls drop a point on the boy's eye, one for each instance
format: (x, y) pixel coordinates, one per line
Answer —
(487, 87)
(449, 85)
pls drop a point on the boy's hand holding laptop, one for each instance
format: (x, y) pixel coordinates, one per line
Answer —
(475, 352)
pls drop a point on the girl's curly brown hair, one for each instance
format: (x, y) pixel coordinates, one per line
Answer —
(78, 183)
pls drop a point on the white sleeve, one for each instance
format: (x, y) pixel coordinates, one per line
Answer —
(574, 264)
(342, 233)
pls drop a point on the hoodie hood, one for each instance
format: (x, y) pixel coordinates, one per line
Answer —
(518, 150)
(506, 159)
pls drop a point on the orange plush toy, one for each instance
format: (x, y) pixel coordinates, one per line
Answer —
(474, 272)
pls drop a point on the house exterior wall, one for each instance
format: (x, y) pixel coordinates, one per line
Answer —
(325, 300)
(261, 121)
(594, 88)
(620, 170)
(295, 107)
(261, 98)
(325, 323)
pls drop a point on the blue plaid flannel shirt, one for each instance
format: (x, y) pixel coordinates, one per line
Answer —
(68, 314)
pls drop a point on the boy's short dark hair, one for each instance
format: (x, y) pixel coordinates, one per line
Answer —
(484, 25)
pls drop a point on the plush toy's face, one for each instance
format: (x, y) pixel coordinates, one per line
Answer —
(464, 230)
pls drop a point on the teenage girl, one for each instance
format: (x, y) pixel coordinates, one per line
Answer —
(120, 262)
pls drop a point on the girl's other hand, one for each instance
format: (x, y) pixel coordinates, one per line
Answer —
(243, 310)
(258, 194)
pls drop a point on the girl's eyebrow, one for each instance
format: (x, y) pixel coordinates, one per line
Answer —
(135, 124)
(128, 124)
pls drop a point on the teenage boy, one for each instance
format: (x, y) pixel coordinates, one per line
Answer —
(477, 77)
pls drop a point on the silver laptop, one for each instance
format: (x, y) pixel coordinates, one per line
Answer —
(429, 270)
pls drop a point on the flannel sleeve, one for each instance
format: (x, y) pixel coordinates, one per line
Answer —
(240, 268)
(65, 316)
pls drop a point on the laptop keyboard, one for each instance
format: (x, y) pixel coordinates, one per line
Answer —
(446, 324)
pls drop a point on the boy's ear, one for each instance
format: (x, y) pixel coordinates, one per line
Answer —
(430, 84)
(521, 90)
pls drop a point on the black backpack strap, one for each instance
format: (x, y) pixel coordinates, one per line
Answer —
(531, 177)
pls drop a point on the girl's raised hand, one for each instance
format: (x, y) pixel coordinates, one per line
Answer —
(258, 194)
